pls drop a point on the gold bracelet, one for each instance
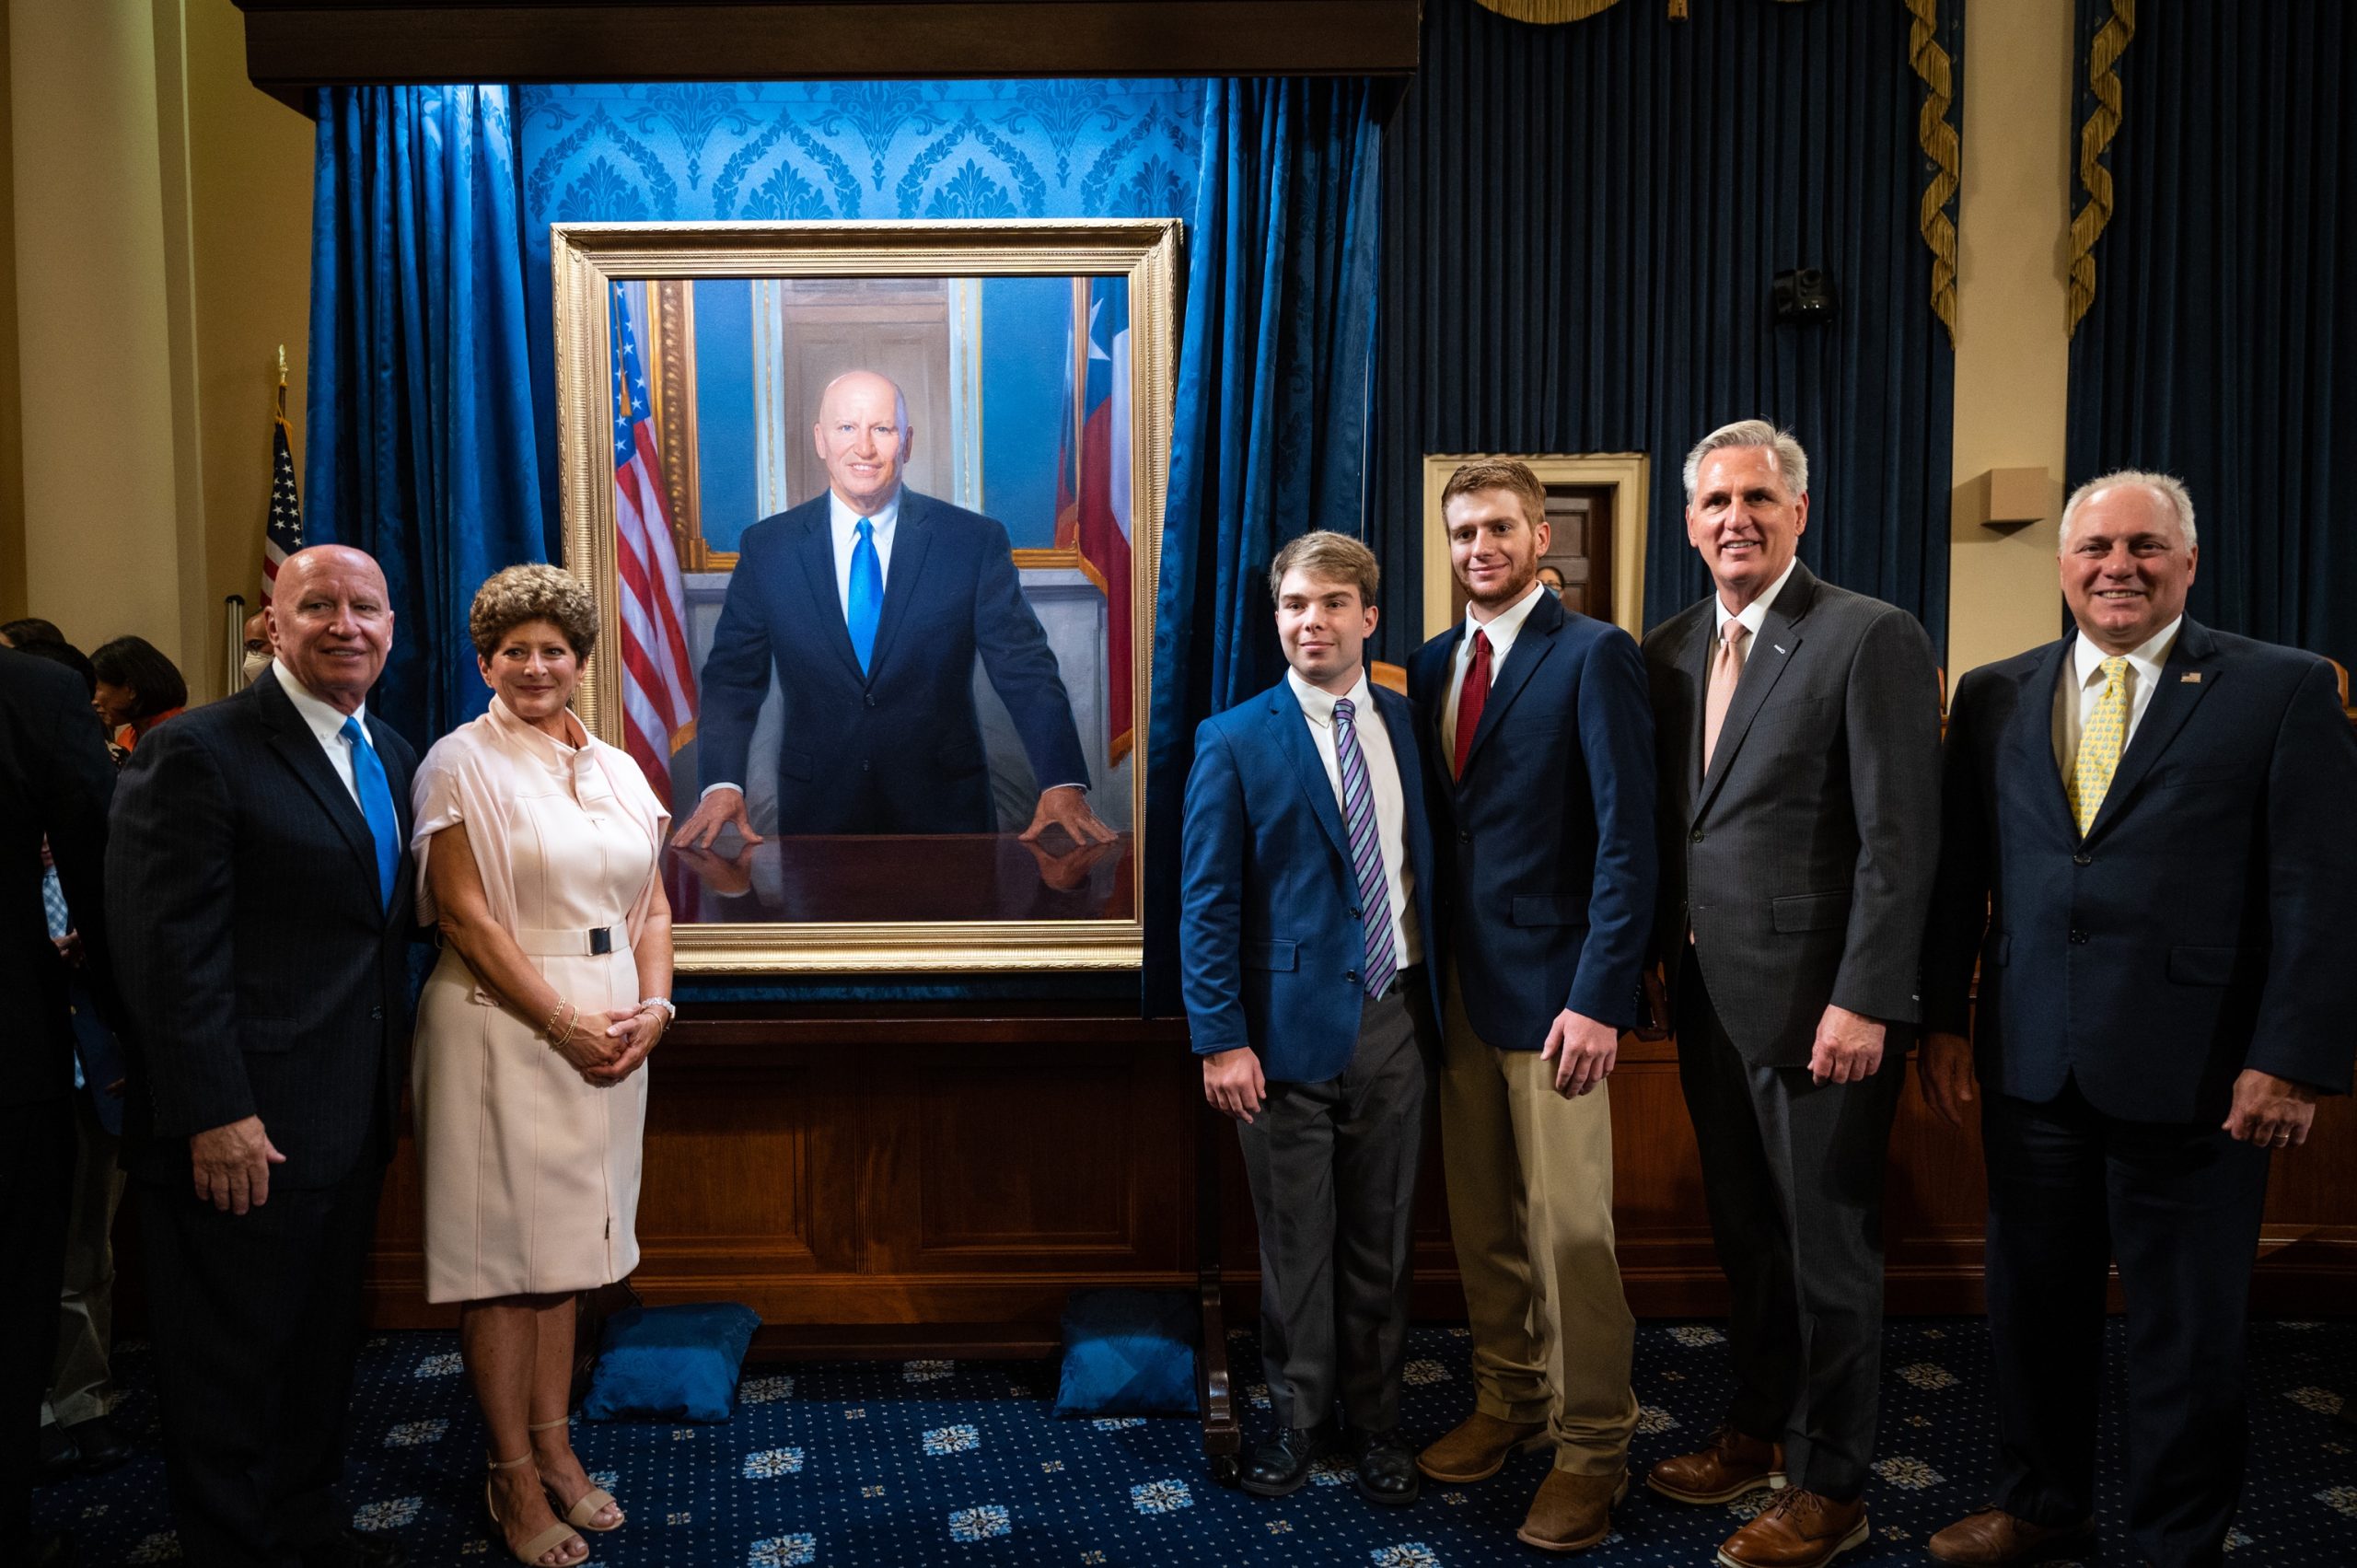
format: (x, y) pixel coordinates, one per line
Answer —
(549, 1028)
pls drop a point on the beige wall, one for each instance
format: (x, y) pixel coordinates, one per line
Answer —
(161, 252)
(2012, 352)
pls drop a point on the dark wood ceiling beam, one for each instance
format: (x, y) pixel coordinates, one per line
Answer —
(294, 45)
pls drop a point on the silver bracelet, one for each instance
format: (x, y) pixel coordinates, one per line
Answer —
(670, 1009)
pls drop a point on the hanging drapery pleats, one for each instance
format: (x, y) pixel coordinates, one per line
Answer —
(1581, 228)
(1271, 417)
(2102, 123)
(2222, 344)
(419, 440)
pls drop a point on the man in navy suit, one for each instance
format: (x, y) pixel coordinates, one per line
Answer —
(2147, 852)
(1541, 773)
(872, 601)
(1303, 933)
(260, 884)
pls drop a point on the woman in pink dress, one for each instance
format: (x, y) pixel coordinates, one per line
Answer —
(536, 847)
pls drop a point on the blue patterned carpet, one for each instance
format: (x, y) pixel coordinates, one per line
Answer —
(961, 1463)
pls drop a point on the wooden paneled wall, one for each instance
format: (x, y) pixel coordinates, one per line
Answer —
(883, 1185)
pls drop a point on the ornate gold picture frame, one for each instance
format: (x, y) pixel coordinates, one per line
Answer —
(687, 405)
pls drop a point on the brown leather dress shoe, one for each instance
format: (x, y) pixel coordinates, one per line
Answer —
(1479, 1448)
(1572, 1513)
(1994, 1536)
(1732, 1464)
(1797, 1529)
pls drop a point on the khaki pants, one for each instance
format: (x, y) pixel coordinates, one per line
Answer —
(1531, 1205)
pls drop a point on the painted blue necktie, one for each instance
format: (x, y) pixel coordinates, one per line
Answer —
(866, 605)
(377, 805)
(1367, 854)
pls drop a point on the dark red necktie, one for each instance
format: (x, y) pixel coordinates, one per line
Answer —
(1471, 701)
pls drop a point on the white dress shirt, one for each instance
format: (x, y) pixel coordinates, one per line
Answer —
(1502, 630)
(2080, 688)
(1755, 615)
(327, 724)
(1383, 783)
(843, 524)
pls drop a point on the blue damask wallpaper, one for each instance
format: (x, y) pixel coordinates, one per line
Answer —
(699, 151)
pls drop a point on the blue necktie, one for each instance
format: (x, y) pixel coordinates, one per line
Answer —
(1367, 854)
(377, 805)
(867, 606)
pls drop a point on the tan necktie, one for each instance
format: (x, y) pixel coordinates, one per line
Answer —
(1726, 670)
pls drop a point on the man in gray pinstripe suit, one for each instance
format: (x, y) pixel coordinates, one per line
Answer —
(1798, 734)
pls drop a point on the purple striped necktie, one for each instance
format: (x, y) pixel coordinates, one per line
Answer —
(1367, 854)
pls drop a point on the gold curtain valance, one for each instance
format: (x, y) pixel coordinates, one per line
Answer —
(1548, 12)
(2103, 123)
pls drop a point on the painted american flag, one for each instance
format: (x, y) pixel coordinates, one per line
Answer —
(659, 681)
(1093, 475)
(282, 535)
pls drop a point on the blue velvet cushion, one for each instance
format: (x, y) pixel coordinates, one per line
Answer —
(671, 1362)
(1128, 1353)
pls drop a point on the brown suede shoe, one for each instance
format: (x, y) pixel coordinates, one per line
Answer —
(1797, 1529)
(1477, 1448)
(1572, 1513)
(1997, 1536)
(1732, 1464)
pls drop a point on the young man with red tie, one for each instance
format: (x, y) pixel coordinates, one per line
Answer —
(1542, 794)
(1305, 950)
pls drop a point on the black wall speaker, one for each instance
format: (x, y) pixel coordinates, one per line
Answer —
(1805, 295)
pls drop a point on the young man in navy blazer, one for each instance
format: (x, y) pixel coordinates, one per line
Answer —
(1304, 936)
(1541, 746)
(2147, 854)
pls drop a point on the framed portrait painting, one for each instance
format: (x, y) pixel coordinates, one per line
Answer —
(872, 515)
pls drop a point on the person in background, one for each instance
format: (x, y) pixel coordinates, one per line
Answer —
(138, 688)
(259, 650)
(535, 846)
(258, 871)
(76, 1432)
(1308, 905)
(56, 783)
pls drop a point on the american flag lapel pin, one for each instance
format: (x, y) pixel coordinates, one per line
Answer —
(2190, 677)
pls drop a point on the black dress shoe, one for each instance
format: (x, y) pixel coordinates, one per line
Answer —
(101, 1444)
(1386, 1468)
(58, 1456)
(352, 1548)
(1280, 1465)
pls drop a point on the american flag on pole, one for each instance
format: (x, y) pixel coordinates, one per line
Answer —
(1093, 475)
(658, 680)
(282, 535)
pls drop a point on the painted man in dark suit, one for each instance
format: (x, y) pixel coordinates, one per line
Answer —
(1542, 793)
(2147, 852)
(1799, 733)
(260, 881)
(56, 781)
(1307, 908)
(871, 602)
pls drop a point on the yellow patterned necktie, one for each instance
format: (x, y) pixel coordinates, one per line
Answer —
(2100, 747)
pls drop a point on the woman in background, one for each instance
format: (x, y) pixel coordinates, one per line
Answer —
(536, 852)
(138, 688)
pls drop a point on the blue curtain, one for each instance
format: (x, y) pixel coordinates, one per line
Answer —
(1581, 225)
(1270, 420)
(2222, 341)
(420, 435)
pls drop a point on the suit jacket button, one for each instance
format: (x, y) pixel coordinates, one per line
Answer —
(2078, 939)
(1355, 914)
(2083, 858)
(376, 1012)
(863, 764)
(869, 699)
(1463, 837)
(1698, 835)
(1350, 975)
